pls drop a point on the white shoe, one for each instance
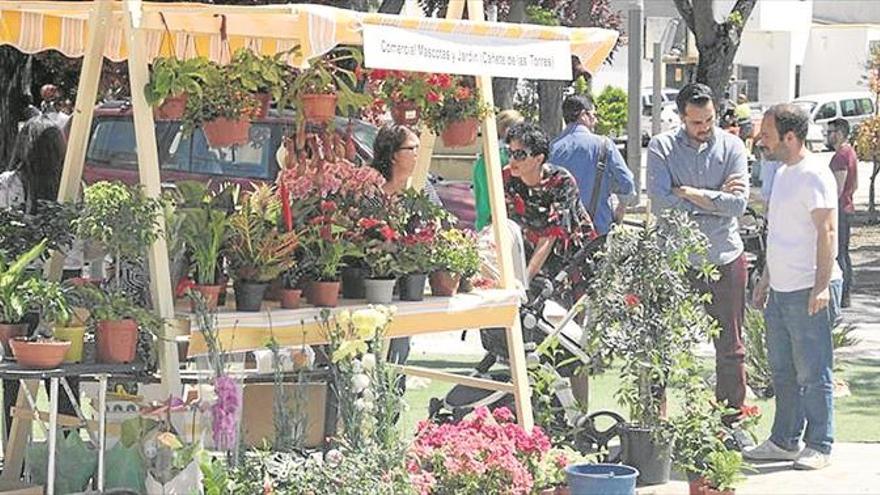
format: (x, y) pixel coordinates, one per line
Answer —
(811, 460)
(769, 451)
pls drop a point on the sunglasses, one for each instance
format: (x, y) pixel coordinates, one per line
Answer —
(519, 154)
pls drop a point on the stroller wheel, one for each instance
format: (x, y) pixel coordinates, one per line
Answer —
(594, 438)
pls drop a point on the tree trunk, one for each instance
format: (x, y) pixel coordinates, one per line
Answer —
(504, 88)
(716, 65)
(14, 98)
(550, 102)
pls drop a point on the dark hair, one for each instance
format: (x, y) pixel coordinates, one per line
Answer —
(532, 137)
(388, 141)
(694, 94)
(38, 155)
(789, 117)
(574, 106)
(840, 125)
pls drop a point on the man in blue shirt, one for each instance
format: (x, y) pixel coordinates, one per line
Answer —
(702, 170)
(577, 149)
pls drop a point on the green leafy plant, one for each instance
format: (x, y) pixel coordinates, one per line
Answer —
(611, 109)
(724, 469)
(646, 313)
(203, 229)
(459, 101)
(257, 251)
(261, 73)
(220, 98)
(334, 73)
(379, 243)
(171, 77)
(120, 217)
(18, 288)
(52, 221)
(759, 376)
(116, 305)
(456, 251)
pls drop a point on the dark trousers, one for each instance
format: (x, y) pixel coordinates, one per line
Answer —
(844, 221)
(728, 308)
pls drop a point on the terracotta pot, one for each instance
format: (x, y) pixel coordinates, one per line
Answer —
(116, 341)
(290, 298)
(41, 355)
(412, 287)
(696, 486)
(406, 112)
(325, 294)
(172, 108)
(319, 108)
(211, 294)
(75, 336)
(265, 100)
(460, 133)
(222, 132)
(444, 283)
(9, 331)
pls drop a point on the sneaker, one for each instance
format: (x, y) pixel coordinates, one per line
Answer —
(769, 451)
(811, 460)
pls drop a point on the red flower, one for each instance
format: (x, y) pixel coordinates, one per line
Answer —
(433, 96)
(286, 212)
(632, 300)
(556, 231)
(317, 220)
(378, 74)
(462, 93)
(388, 233)
(749, 411)
(328, 206)
(326, 233)
(519, 205)
(368, 223)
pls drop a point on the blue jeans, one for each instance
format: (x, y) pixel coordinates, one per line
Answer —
(801, 356)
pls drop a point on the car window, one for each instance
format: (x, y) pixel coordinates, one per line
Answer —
(848, 108)
(865, 106)
(113, 143)
(251, 160)
(827, 111)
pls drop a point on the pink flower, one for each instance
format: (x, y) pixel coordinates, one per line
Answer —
(632, 300)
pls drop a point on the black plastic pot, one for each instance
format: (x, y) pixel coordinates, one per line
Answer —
(249, 295)
(353, 282)
(639, 450)
(412, 287)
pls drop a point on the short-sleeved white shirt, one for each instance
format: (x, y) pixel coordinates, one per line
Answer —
(791, 238)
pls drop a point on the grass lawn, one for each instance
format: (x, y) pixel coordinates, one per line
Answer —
(855, 416)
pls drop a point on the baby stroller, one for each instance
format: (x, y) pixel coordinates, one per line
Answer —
(538, 330)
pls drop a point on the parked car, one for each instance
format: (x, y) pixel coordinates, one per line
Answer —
(112, 153)
(669, 120)
(855, 107)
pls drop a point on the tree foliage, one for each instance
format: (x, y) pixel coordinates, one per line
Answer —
(611, 111)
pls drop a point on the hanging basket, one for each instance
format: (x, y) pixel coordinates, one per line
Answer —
(318, 108)
(223, 133)
(265, 100)
(406, 113)
(460, 133)
(171, 109)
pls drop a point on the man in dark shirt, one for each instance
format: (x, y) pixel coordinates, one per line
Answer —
(844, 165)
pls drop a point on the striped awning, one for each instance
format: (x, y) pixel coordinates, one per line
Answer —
(193, 29)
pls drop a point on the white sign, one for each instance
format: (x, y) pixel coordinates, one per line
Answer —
(389, 47)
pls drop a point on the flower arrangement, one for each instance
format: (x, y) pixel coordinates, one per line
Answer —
(459, 101)
(484, 453)
(415, 252)
(327, 241)
(456, 251)
(403, 92)
(380, 245)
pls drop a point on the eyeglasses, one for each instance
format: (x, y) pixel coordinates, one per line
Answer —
(519, 154)
(411, 148)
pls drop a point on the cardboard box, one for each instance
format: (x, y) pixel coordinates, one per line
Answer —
(258, 413)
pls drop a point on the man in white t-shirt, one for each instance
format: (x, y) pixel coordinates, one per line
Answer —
(800, 290)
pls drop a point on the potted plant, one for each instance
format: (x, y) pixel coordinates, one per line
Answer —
(327, 248)
(172, 81)
(264, 76)
(454, 113)
(18, 290)
(415, 262)
(256, 250)
(380, 247)
(450, 258)
(650, 319)
(405, 94)
(203, 229)
(117, 321)
(224, 110)
(68, 317)
(327, 84)
(121, 218)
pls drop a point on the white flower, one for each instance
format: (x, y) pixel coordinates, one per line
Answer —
(360, 382)
(369, 361)
(343, 318)
(333, 457)
(368, 395)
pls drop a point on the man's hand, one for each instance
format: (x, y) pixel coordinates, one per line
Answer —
(735, 184)
(818, 300)
(759, 294)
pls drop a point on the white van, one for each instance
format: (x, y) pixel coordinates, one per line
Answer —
(855, 107)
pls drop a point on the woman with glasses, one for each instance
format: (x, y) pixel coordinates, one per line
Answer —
(395, 153)
(543, 200)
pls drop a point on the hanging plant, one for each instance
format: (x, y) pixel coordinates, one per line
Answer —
(328, 84)
(224, 110)
(455, 112)
(264, 76)
(172, 82)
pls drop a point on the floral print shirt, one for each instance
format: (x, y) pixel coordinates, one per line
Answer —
(553, 208)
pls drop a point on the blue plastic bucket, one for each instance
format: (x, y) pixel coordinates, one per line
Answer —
(601, 479)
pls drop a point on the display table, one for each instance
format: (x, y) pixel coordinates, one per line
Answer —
(25, 411)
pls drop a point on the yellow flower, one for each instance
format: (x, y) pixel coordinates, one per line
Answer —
(367, 321)
(348, 349)
(343, 318)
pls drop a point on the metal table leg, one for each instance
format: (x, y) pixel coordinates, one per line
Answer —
(102, 426)
(53, 427)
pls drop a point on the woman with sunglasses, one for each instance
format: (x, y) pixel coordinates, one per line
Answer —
(543, 200)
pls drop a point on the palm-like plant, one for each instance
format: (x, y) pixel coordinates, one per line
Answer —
(16, 287)
(257, 251)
